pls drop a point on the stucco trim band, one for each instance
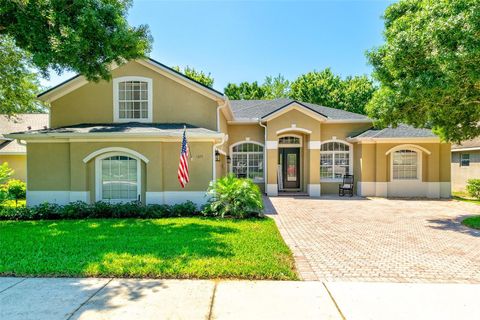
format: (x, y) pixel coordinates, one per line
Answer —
(433, 190)
(314, 190)
(59, 197)
(272, 189)
(172, 197)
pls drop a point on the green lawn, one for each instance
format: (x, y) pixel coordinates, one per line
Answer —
(462, 196)
(472, 222)
(163, 248)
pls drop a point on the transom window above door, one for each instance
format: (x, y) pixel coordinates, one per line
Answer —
(132, 99)
(335, 160)
(289, 140)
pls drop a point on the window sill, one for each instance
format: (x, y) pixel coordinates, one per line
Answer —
(331, 180)
(134, 120)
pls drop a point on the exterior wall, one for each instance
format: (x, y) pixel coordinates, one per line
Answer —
(342, 130)
(65, 177)
(172, 102)
(18, 163)
(237, 133)
(460, 175)
(376, 165)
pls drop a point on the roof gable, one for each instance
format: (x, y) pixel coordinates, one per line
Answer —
(78, 81)
(294, 105)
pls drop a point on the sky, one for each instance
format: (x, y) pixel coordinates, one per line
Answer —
(248, 40)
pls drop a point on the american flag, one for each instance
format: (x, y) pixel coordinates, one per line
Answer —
(183, 164)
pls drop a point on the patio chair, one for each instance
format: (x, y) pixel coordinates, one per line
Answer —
(347, 186)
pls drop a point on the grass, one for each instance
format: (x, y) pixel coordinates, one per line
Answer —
(462, 196)
(471, 222)
(161, 248)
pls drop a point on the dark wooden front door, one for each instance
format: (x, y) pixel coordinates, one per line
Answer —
(290, 167)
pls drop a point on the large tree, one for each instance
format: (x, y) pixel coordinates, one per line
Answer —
(276, 87)
(429, 67)
(196, 75)
(84, 36)
(18, 85)
(330, 90)
(245, 91)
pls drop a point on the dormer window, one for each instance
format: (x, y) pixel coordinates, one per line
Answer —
(132, 99)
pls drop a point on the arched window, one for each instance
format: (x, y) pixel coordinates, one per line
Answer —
(405, 165)
(335, 160)
(118, 178)
(247, 161)
(133, 99)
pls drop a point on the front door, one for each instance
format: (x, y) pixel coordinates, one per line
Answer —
(290, 160)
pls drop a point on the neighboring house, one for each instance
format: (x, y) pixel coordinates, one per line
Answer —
(465, 163)
(13, 152)
(120, 141)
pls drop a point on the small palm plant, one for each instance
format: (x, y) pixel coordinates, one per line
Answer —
(231, 196)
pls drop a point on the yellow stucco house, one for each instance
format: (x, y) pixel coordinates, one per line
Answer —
(120, 141)
(13, 152)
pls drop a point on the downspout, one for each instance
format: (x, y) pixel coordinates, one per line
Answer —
(218, 114)
(215, 146)
(265, 153)
(224, 139)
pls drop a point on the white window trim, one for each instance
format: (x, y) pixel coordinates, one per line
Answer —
(292, 145)
(419, 165)
(461, 159)
(98, 175)
(116, 81)
(248, 141)
(350, 159)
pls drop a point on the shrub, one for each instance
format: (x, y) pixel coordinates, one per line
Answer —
(16, 190)
(186, 208)
(76, 210)
(157, 211)
(231, 196)
(82, 210)
(473, 188)
(5, 172)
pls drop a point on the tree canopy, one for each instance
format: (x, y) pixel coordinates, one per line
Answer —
(198, 76)
(245, 91)
(83, 36)
(18, 85)
(429, 67)
(276, 87)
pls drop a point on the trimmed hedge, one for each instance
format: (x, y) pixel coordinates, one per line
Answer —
(82, 210)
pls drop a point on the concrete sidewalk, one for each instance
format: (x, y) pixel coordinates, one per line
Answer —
(64, 298)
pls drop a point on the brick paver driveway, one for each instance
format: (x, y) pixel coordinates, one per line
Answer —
(380, 239)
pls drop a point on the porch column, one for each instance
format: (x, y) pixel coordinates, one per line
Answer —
(313, 187)
(272, 163)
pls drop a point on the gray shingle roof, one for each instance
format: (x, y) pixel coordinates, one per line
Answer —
(257, 109)
(474, 143)
(401, 131)
(134, 128)
(17, 123)
(21, 122)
